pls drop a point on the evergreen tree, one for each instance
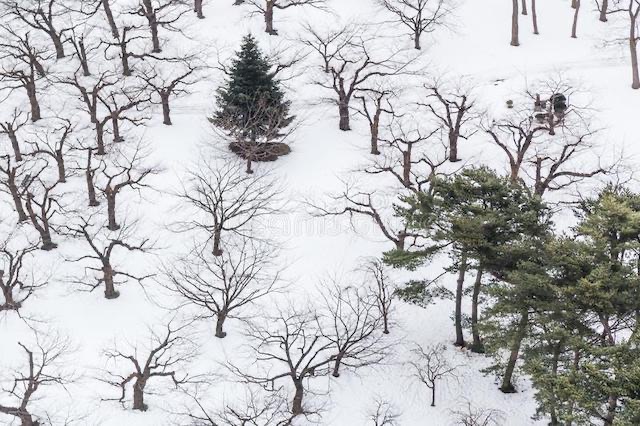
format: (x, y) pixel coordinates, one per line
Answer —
(251, 106)
(473, 214)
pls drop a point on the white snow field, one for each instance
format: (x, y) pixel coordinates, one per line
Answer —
(475, 48)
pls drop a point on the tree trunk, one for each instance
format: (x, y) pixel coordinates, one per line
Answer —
(220, 319)
(33, 102)
(296, 409)
(385, 320)
(62, 178)
(15, 145)
(111, 210)
(217, 236)
(416, 40)
(166, 111)
(507, 386)
(91, 189)
(603, 10)
(82, 55)
(57, 43)
(514, 24)
(124, 58)
(453, 147)
(115, 126)
(110, 291)
(574, 28)
(343, 110)
(524, 7)
(433, 394)
(198, 9)
(633, 49)
(477, 345)
(462, 270)
(17, 201)
(375, 129)
(406, 167)
(100, 138)
(268, 18)
(138, 395)
(112, 23)
(9, 303)
(336, 365)
(534, 17)
(612, 404)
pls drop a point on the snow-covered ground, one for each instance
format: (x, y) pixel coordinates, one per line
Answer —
(476, 47)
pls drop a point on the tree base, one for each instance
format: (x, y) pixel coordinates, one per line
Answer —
(112, 296)
(13, 306)
(221, 335)
(508, 388)
(260, 152)
(48, 246)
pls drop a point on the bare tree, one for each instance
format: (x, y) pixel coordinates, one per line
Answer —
(11, 127)
(515, 40)
(355, 203)
(419, 16)
(160, 14)
(43, 360)
(381, 289)
(289, 347)
(14, 178)
(455, 111)
(631, 8)
(122, 43)
(352, 66)
(266, 8)
(126, 170)
(383, 414)
(82, 50)
(350, 320)
(226, 200)
(15, 285)
(118, 104)
(167, 85)
(42, 205)
(328, 45)
(473, 416)
(22, 66)
(169, 351)
(53, 143)
(42, 15)
(375, 102)
(222, 286)
(430, 366)
(101, 250)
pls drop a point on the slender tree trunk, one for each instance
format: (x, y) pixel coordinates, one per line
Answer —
(57, 43)
(268, 18)
(385, 320)
(375, 129)
(198, 9)
(100, 138)
(111, 210)
(453, 146)
(166, 111)
(33, 102)
(17, 201)
(477, 345)
(124, 58)
(633, 49)
(416, 40)
(514, 24)
(84, 63)
(534, 17)
(406, 167)
(115, 126)
(521, 332)
(343, 110)
(138, 395)
(462, 270)
(574, 28)
(15, 145)
(217, 234)
(62, 174)
(110, 291)
(433, 394)
(296, 408)
(524, 7)
(112, 23)
(604, 7)
(336, 365)
(220, 319)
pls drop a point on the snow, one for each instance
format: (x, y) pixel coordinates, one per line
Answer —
(476, 47)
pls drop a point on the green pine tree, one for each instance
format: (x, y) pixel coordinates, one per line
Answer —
(251, 106)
